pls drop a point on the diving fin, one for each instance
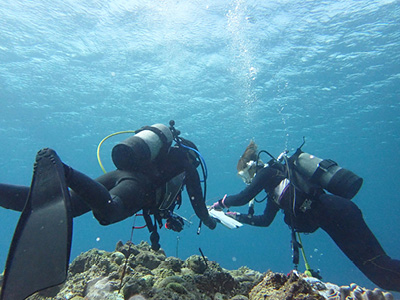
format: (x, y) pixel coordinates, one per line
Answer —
(40, 250)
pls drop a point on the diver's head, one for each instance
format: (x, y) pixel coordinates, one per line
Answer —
(247, 164)
(193, 156)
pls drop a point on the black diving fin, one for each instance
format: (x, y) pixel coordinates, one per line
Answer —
(40, 250)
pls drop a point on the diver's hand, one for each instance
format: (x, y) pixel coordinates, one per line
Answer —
(233, 214)
(219, 205)
(210, 222)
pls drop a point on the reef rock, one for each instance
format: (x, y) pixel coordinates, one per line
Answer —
(296, 286)
(135, 272)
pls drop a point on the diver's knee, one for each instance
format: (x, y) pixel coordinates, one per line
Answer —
(353, 208)
(114, 211)
(349, 207)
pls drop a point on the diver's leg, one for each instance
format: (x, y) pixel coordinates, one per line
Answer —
(108, 206)
(13, 196)
(78, 206)
(89, 190)
(94, 195)
(128, 197)
(344, 222)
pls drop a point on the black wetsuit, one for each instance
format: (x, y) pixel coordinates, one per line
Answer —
(118, 194)
(337, 216)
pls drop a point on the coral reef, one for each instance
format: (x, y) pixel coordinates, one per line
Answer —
(135, 272)
(353, 291)
(296, 286)
(148, 274)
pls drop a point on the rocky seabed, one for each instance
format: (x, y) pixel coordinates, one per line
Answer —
(135, 272)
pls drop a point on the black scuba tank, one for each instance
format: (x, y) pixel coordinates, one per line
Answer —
(328, 174)
(138, 150)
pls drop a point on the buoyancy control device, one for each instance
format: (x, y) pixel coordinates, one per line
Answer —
(142, 148)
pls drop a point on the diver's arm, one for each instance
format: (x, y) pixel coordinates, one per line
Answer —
(266, 178)
(263, 220)
(195, 194)
(13, 196)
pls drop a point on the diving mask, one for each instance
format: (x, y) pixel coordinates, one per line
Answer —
(248, 172)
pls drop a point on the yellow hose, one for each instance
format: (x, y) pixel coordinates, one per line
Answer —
(103, 140)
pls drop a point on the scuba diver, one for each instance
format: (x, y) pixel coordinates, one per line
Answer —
(150, 175)
(297, 185)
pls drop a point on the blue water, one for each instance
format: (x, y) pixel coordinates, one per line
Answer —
(226, 71)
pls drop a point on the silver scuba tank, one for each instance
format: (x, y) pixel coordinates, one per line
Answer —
(138, 150)
(329, 175)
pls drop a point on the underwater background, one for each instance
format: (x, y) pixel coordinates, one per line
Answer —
(227, 72)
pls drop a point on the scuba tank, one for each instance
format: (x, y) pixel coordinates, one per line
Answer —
(327, 174)
(142, 148)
